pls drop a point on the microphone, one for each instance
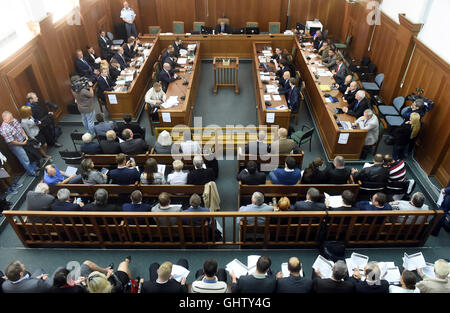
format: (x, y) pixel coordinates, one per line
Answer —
(185, 80)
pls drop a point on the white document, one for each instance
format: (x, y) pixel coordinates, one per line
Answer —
(183, 53)
(429, 270)
(71, 171)
(285, 271)
(192, 47)
(219, 227)
(98, 60)
(393, 275)
(252, 260)
(179, 272)
(121, 140)
(182, 61)
(327, 100)
(325, 74)
(343, 138)
(270, 118)
(265, 78)
(324, 266)
(367, 165)
(414, 261)
(161, 168)
(267, 98)
(440, 199)
(112, 99)
(237, 268)
(335, 201)
(356, 260)
(171, 102)
(384, 266)
(166, 117)
(276, 97)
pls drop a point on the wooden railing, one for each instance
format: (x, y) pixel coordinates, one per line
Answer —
(274, 229)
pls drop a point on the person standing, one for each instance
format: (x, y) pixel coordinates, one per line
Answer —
(128, 16)
(86, 105)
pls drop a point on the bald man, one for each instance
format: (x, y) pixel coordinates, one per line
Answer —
(350, 93)
(294, 283)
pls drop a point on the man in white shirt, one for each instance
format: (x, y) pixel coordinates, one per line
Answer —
(189, 146)
(211, 279)
(178, 177)
(155, 96)
(128, 16)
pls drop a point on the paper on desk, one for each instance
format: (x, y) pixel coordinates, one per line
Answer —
(182, 61)
(335, 201)
(324, 266)
(276, 97)
(192, 46)
(171, 102)
(267, 98)
(71, 171)
(112, 99)
(183, 52)
(179, 272)
(166, 117)
(327, 100)
(343, 138)
(270, 118)
(237, 268)
(413, 261)
(325, 74)
(264, 78)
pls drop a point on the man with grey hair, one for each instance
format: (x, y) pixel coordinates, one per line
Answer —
(39, 199)
(358, 107)
(368, 121)
(313, 202)
(257, 205)
(64, 204)
(89, 147)
(110, 145)
(334, 284)
(418, 106)
(417, 203)
(258, 147)
(373, 283)
(200, 175)
(438, 284)
(337, 173)
(100, 203)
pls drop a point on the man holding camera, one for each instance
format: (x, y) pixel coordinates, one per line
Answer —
(46, 117)
(84, 96)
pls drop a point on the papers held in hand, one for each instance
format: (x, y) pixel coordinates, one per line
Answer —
(324, 266)
(334, 201)
(71, 171)
(285, 271)
(413, 261)
(179, 272)
(356, 261)
(237, 268)
(390, 272)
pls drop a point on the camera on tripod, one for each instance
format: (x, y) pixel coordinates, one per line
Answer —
(79, 83)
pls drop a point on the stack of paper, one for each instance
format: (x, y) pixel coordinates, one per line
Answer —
(179, 272)
(393, 275)
(272, 89)
(237, 268)
(276, 97)
(191, 47)
(413, 261)
(324, 266)
(182, 61)
(356, 260)
(267, 98)
(262, 59)
(171, 102)
(334, 201)
(265, 78)
(70, 171)
(183, 52)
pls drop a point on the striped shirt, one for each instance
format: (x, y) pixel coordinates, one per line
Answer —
(12, 132)
(200, 286)
(397, 172)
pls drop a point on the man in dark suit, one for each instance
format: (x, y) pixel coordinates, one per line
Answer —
(358, 107)
(177, 46)
(350, 93)
(105, 45)
(258, 282)
(166, 76)
(223, 28)
(283, 67)
(378, 203)
(318, 40)
(100, 203)
(346, 84)
(125, 173)
(132, 146)
(373, 282)
(348, 199)
(110, 145)
(137, 130)
(170, 49)
(104, 84)
(130, 49)
(83, 68)
(172, 60)
(64, 204)
(336, 173)
(376, 173)
(312, 202)
(335, 284)
(21, 281)
(91, 58)
(161, 280)
(285, 83)
(200, 175)
(251, 176)
(121, 59)
(278, 54)
(292, 96)
(340, 72)
(89, 147)
(294, 283)
(258, 147)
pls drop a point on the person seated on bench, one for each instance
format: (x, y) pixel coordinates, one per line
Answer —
(336, 173)
(100, 280)
(257, 147)
(128, 124)
(39, 199)
(150, 175)
(162, 281)
(312, 203)
(100, 203)
(373, 282)
(336, 283)
(290, 175)
(259, 282)
(257, 205)
(53, 176)
(200, 175)
(136, 204)
(408, 282)
(125, 173)
(379, 202)
(210, 279)
(283, 205)
(313, 174)
(178, 177)
(251, 176)
(110, 145)
(377, 173)
(164, 207)
(21, 281)
(195, 207)
(396, 168)
(417, 203)
(294, 283)
(164, 143)
(89, 147)
(132, 146)
(90, 175)
(61, 285)
(438, 284)
(102, 127)
(347, 202)
(188, 146)
(285, 145)
(64, 204)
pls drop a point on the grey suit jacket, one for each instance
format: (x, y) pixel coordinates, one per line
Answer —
(372, 127)
(330, 61)
(30, 285)
(340, 75)
(39, 201)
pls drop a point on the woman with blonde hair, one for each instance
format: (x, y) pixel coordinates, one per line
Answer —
(106, 280)
(283, 205)
(31, 127)
(405, 137)
(164, 143)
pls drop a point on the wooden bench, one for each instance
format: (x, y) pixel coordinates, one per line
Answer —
(294, 192)
(272, 161)
(278, 229)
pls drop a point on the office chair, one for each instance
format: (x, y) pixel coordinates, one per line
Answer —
(77, 138)
(395, 109)
(178, 27)
(117, 42)
(374, 88)
(154, 30)
(71, 157)
(301, 137)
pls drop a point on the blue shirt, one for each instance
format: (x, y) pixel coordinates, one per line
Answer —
(55, 179)
(282, 177)
(127, 14)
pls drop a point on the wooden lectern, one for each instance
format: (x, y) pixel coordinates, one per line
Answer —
(226, 73)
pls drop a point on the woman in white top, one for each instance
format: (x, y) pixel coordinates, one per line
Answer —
(155, 96)
(178, 177)
(408, 281)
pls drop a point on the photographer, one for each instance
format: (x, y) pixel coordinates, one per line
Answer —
(46, 117)
(84, 96)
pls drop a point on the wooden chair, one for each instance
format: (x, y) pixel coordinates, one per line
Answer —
(178, 27)
(274, 27)
(154, 30)
(198, 26)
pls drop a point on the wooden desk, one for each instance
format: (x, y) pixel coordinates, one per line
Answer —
(226, 75)
(182, 113)
(265, 115)
(131, 101)
(323, 112)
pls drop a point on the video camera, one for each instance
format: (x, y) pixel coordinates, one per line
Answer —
(80, 84)
(428, 104)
